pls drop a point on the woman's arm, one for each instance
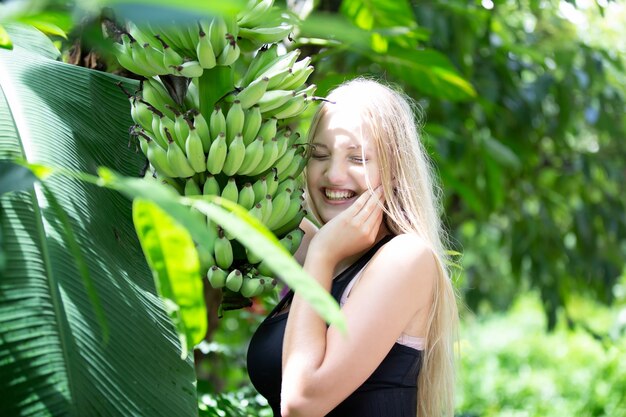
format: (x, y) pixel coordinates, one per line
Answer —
(321, 367)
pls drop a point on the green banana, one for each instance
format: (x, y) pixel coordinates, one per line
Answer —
(204, 49)
(257, 212)
(246, 196)
(270, 283)
(292, 219)
(234, 280)
(194, 151)
(158, 158)
(286, 242)
(229, 54)
(284, 142)
(253, 92)
(263, 58)
(264, 268)
(280, 205)
(189, 69)
(217, 122)
(254, 14)
(138, 34)
(171, 58)
(276, 78)
(296, 234)
(201, 125)
(266, 35)
(272, 182)
(140, 59)
(181, 125)
(217, 34)
(270, 154)
(285, 161)
(297, 166)
(230, 191)
(211, 186)
(217, 154)
(308, 91)
(178, 161)
(252, 257)
(279, 63)
(154, 93)
(260, 189)
(191, 188)
(268, 129)
(216, 277)
(155, 58)
(297, 78)
(124, 56)
(266, 208)
(291, 108)
(235, 156)
(206, 259)
(289, 182)
(165, 124)
(274, 99)
(223, 250)
(235, 119)
(252, 157)
(252, 287)
(252, 124)
(141, 114)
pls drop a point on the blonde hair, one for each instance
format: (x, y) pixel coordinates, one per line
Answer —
(412, 204)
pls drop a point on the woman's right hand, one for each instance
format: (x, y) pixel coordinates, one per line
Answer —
(352, 231)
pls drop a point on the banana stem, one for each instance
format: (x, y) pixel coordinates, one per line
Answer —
(213, 85)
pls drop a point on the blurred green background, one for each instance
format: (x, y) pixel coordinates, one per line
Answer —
(523, 115)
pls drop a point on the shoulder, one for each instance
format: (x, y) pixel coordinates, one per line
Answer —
(410, 257)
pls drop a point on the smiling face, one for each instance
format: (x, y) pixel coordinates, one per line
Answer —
(336, 172)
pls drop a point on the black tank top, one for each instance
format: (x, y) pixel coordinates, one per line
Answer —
(391, 390)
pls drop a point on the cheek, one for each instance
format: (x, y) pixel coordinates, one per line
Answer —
(369, 172)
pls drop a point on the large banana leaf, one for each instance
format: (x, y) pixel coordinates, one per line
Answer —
(54, 357)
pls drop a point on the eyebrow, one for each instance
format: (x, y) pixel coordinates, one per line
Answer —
(321, 145)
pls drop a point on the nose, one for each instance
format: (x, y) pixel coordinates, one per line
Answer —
(336, 171)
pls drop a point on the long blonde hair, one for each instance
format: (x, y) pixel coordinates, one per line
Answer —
(412, 204)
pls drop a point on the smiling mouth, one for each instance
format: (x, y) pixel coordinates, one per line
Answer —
(336, 195)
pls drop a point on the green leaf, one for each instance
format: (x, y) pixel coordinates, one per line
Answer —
(370, 14)
(245, 228)
(173, 258)
(254, 235)
(45, 27)
(5, 39)
(427, 70)
(52, 357)
(28, 39)
(501, 153)
(14, 177)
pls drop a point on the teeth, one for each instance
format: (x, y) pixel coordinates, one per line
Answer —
(338, 195)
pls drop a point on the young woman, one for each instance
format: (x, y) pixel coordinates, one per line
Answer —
(379, 252)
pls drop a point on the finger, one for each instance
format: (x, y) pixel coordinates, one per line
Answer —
(370, 206)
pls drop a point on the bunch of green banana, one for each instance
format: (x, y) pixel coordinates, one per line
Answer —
(214, 115)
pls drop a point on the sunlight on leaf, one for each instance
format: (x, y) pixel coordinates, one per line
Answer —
(5, 39)
(173, 259)
(45, 27)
